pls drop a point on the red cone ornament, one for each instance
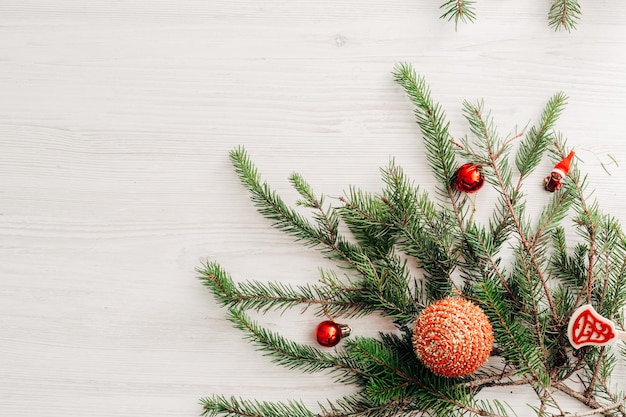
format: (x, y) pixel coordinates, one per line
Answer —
(453, 337)
(469, 178)
(328, 333)
(560, 171)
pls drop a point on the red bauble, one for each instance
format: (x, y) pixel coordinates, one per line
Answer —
(453, 337)
(328, 333)
(469, 178)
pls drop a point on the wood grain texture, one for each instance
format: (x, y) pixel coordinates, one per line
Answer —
(116, 118)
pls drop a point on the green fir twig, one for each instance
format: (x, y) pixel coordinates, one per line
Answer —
(564, 14)
(459, 10)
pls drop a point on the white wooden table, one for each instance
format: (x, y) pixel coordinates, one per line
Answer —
(116, 118)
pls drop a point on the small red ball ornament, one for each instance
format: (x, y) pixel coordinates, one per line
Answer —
(328, 333)
(469, 178)
(453, 337)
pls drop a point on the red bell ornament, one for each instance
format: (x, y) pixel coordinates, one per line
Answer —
(328, 333)
(469, 178)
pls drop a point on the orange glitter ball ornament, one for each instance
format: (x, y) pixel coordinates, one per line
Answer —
(453, 337)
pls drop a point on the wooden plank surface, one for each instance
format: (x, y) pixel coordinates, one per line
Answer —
(116, 118)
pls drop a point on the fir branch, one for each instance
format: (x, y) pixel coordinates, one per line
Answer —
(326, 218)
(440, 148)
(367, 217)
(495, 149)
(493, 408)
(536, 141)
(513, 338)
(480, 259)
(616, 294)
(359, 405)
(570, 270)
(394, 292)
(483, 128)
(294, 355)
(388, 381)
(618, 401)
(408, 204)
(612, 248)
(458, 10)
(309, 199)
(527, 288)
(528, 279)
(392, 380)
(270, 204)
(432, 121)
(347, 298)
(385, 290)
(587, 219)
(618, 405)
(564, 14)
(497, 380)
(501, 223)
(530, 151)
(493, 154)
(588, 401)
(260, 296)
(384, 276)
(595, 371)
(286, 219)
(236, 407)
(423, 231)
(551, 216)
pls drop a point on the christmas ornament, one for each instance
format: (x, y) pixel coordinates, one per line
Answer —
(469, 178)
(560, 170)
(328, 333)
(587, 327)
(453, 337)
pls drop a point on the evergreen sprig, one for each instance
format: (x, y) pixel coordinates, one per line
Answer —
(459, 10)
(563, 14)
(402, 248)
(538, 138)
(219, 405)
(431, 119)
(288, 353)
